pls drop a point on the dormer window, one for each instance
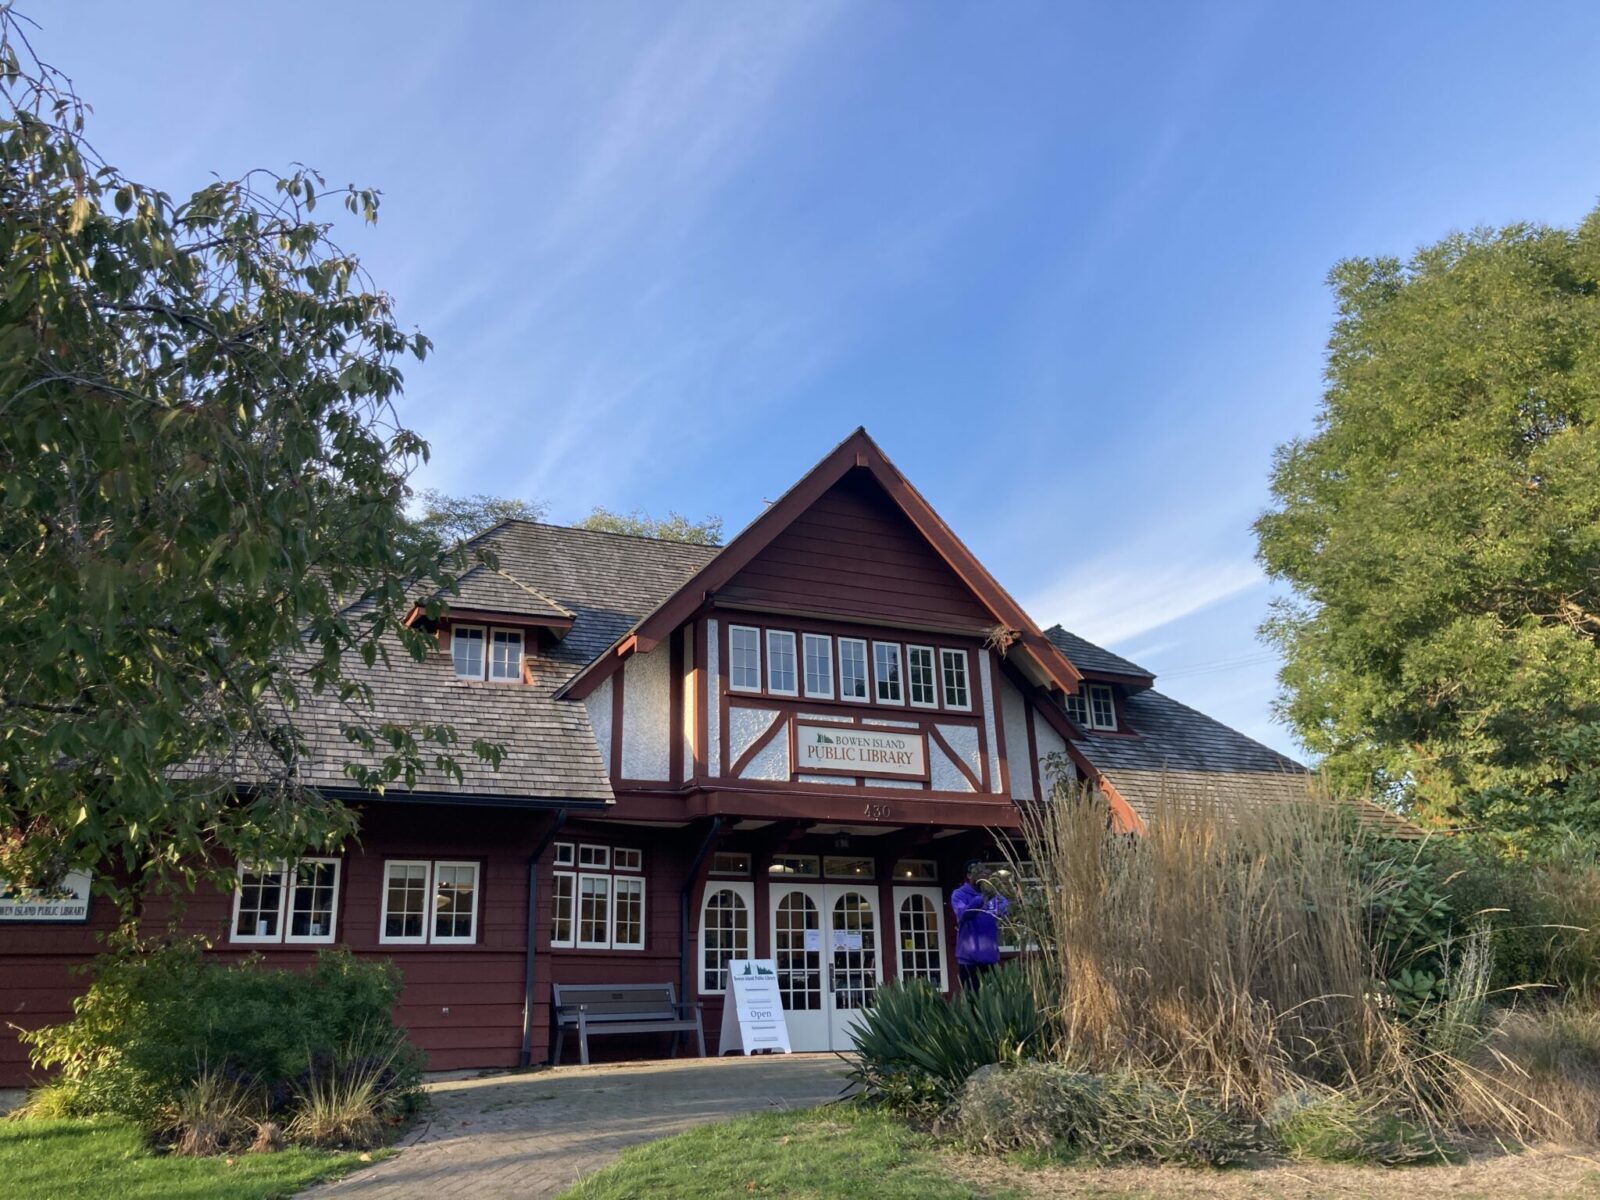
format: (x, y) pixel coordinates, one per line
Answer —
(482, 653)
(505, 655)
(1093, 707)
(466, 647)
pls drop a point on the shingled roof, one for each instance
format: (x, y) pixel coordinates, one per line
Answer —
(604, 582)
(1086, 656)
(1178, 755)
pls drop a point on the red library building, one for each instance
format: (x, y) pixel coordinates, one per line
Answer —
(785, 747)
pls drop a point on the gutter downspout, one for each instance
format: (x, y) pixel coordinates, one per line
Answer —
(683, 906)
(526, 1057)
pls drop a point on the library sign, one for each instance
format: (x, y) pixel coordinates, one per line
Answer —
(64, 900)
(860, 750)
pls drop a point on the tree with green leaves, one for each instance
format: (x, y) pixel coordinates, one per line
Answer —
(674, 527)
(200, 468)
(1440, 532)
(451, 519)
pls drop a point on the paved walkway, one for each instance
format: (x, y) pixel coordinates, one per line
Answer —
(535, 1134)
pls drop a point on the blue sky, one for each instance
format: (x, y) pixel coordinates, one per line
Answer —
(1064, 261)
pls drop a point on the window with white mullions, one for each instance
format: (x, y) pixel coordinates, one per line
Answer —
(744, 658)
(505, 655)
(886, 672)
(923, 682)
(819, 666)
(286, 901)
(782, 678)
(564, 886)
(852, 669)
(1102, 707)
(724, 932)
(466, 648)
(953, 664)
(594, 912)
(426, 901)
(920, 953)
(1078, 708)
(601, 905)
(628, 908)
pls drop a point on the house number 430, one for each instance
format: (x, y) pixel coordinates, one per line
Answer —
(879, 812)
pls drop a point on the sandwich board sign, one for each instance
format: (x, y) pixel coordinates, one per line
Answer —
(752, 1014)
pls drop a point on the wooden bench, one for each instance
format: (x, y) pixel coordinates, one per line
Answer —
(596, 1008)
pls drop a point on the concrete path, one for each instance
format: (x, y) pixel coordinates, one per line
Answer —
(529, 1135)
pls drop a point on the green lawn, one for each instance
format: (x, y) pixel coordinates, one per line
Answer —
(838, 1151)
(72, 1159)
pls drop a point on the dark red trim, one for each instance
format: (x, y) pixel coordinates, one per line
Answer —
(956, 760)
(616, 723)
(675, 709)
(762, 741)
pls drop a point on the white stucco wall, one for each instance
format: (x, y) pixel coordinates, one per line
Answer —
(963, 739)
(1049, 744)
(838, 780)
(1014, 714)
(943, 775)
(598, 702)
(713, 708)
(690, 709)
(986, 684)
(647, 715)
(745, 726)
(772, 763)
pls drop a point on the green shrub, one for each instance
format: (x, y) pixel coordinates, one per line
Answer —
(914, 1048)
(1051, 1108)
(156, 1018)
(347, 1102)
(1335, 1127)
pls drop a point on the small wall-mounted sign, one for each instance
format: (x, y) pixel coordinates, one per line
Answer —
(860, 750)
(63, 901)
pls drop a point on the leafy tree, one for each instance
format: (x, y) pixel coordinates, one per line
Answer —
(674, 527)
(198, 460)
(451, 519)
(1441, 533)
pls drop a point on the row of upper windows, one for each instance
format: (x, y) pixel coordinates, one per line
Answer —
(1093, 706)
(933, 676)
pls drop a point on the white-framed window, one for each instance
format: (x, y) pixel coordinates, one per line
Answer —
(797, 866)
(404, 918)
(286, 902)
(627, 931)
(953, 665)
(505, 655)
(594, 912)
(847, 866)
(730, 863)
(455, 902)
(466, 648)
(564, 854)
(852, 669)
(744, 658)
(924, 683)
(819, 666)
(1078, 708)
(429, 901)
(921, 929)
(725, 931)
(886, 672)
(564, 890)
(1102, 706)
(598, 910)
(782, 671)
(916, 870)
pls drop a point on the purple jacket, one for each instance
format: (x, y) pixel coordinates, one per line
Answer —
(977, 926)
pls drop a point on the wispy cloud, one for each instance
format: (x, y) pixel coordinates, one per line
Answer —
(1111, 599)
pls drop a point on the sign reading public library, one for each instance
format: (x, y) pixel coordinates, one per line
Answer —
(752, 1015)
(64, 900)
(860, 750)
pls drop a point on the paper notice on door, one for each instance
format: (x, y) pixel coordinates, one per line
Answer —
(814, 940)
(844, 940)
